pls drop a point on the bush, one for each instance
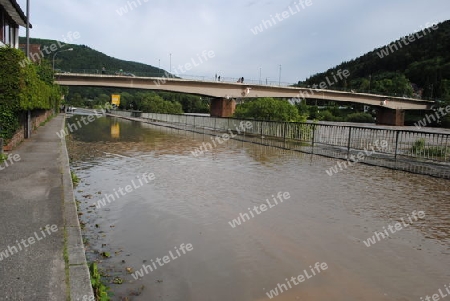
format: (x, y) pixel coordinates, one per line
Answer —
(268, 109)
(360, 117)
(328, 116)
(419, 149)
(22, 88)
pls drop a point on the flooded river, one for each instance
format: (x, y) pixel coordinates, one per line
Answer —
(247, 222)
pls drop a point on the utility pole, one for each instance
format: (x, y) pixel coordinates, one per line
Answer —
(279, 77)
(260, 76)
(27, 50)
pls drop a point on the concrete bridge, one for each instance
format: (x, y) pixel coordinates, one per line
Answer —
(390, 110)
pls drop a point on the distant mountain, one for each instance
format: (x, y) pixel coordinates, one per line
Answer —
(417, 65)
(84, 58)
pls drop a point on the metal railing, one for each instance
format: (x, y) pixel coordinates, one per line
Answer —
(163, 74)
(397, 149)
(224, 79)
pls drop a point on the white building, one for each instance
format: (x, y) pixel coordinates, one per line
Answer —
(11, 17)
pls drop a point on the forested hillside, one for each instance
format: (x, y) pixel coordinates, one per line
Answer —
(417, 65)
(85, 58)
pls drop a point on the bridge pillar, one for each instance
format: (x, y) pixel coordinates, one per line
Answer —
(222, 107)
(390, 117)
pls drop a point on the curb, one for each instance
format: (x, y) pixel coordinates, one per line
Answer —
(79, 277)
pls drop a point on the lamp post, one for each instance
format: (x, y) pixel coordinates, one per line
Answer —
(260, 76)
(279, 77)
(27, 50)
(70, 49)
(170, 55)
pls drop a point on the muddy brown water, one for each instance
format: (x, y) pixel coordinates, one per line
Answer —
(192, 201)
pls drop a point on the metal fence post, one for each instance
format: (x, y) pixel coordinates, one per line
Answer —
(313, 134)
(396, 144)
(349, 140)
(1, 146)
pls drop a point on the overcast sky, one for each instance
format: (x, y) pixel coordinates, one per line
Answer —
(309, 37)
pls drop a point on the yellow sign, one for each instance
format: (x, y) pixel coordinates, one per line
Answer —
(115, 99)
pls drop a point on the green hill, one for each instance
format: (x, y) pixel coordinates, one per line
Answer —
(86, 59)
(417, 65)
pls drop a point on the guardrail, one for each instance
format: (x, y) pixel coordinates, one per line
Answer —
(182, 76)
(414, 151)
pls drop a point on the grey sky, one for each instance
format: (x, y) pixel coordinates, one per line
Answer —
(307, 40)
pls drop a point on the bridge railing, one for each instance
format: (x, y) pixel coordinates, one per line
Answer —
(181, 76)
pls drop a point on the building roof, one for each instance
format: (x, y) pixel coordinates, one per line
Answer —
(15, 12)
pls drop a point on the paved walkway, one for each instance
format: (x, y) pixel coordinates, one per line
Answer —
(38, 221)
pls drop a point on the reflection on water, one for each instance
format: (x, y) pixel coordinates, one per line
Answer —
(115, 130)
(193, 199)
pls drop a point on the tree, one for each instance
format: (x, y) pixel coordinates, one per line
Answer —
(268, 109)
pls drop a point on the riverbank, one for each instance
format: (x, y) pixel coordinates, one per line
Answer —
(41, 250)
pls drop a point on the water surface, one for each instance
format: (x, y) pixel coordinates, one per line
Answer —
(193, 199)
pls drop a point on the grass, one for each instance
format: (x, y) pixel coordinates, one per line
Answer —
(75, 179)
(66, 261)
(100, 290)
(3, 157)
(420, 149)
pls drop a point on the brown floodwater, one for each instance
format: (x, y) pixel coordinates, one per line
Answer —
(192, 201)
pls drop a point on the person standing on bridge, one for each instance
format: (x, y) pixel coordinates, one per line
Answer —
(103, 70)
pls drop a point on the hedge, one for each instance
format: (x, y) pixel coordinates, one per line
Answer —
(21, 88)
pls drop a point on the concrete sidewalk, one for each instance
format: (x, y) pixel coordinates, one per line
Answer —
(39, 223)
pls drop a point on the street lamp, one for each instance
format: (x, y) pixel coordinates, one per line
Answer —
(70, 49)
(27, 49)
(170, 54)
(279, 77)
(260, 76)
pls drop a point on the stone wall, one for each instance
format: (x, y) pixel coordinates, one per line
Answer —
(37, 117)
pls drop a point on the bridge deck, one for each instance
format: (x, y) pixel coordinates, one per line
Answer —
(238, 90)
